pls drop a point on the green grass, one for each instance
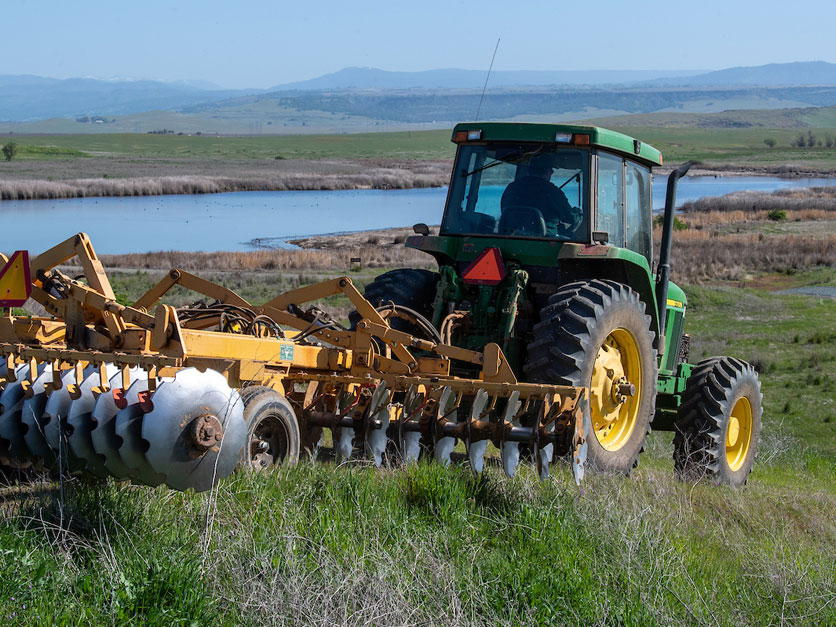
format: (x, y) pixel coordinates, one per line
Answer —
(399, 145)
(316, 544)
(738, 146)
(791, 339)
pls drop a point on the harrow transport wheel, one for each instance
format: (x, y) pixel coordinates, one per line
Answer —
(407, 287)
(719, 422)
(272, 431)
(596, 334)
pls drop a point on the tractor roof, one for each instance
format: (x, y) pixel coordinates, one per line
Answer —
(547, 133)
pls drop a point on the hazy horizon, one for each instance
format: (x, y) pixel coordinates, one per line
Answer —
(257, 44)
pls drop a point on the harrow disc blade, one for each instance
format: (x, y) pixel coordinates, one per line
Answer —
(411, 447)
(510, 451)
(410, 441)
(80, 425)
(579, 445)
(476, 450)
(196, 429)
(55, 419)
(344, 445)
(12, 446)
(128, 428)
(103, 436)
(545, 454)
(446, 410)
(378, 410)
(32, 418)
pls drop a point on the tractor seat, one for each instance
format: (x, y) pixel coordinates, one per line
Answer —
(522, 221)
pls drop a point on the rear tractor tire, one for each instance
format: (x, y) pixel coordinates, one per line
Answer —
(272, 431)
(407, 287)
(719, 422)
(595, 334)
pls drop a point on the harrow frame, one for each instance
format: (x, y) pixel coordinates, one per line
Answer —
(397, 383)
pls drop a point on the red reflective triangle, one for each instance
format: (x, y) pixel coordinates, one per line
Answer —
(15, 284)
(487, 269)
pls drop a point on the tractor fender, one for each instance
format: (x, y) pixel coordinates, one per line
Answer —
(600, 261)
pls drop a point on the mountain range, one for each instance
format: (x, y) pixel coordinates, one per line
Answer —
(370, 96)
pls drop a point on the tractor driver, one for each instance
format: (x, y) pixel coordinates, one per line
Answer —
(533, 193)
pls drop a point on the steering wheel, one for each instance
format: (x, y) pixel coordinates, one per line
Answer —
(567, 223)
(522, 220)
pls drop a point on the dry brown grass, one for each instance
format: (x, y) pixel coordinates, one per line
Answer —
(275, 260)
(700, 219)
(701, 256)
(799, 199)
(155, 177)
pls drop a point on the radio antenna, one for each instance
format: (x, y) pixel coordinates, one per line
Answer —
(487, 78)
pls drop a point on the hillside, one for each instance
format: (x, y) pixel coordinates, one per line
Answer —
(357, 99)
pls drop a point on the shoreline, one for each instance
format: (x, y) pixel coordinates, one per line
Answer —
(51, 180)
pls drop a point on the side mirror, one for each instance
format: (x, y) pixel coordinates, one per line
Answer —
(600, 237)
(421, 229)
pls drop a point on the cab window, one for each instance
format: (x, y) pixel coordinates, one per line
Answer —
(638, 209)
(519, 190)
(610, 215)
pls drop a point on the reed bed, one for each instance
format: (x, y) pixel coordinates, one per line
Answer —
(799, 199)
(702, 256)
(273, 260)
(373, 178)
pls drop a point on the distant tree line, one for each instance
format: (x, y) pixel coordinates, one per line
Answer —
(808, 140)
(811, 141)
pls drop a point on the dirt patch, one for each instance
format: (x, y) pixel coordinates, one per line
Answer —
(382, 238)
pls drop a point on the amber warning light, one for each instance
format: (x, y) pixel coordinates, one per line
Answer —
(487, 269)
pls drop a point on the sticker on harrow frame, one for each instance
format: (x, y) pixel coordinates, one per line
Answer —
(286, 352)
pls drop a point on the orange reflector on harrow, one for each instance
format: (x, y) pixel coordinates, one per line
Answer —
(15, 283)
(487, 269)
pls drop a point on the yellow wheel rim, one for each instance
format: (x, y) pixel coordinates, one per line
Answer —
(615, 412)
(739, 433)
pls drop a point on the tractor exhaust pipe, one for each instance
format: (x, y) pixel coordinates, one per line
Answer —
(664, 274)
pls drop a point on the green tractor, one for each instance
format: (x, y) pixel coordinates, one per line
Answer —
(546, 248)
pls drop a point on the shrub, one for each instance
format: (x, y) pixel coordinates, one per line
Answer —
(678, 225)
(769, 142)
(776, 215)
(9, 151)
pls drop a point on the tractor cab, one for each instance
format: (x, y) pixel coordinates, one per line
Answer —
(551, 182)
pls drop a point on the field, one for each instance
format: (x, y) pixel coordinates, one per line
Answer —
(318, 544)
(353, 545)
(315, 544)
(54, 165)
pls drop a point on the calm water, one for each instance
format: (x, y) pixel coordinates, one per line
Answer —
(249, 220)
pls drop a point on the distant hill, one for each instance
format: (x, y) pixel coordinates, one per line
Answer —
(372, 99)
(771, 75)
(808, 117)
(373, 78)
(34, 97)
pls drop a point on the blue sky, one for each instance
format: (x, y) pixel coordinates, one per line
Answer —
(258, 43)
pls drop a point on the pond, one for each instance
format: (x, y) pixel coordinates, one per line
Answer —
(252, 220)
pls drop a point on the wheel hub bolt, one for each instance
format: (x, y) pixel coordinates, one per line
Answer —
(205, 431)
(626, 389)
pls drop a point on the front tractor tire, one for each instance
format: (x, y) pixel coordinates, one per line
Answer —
(719, 422)
(595, 334)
